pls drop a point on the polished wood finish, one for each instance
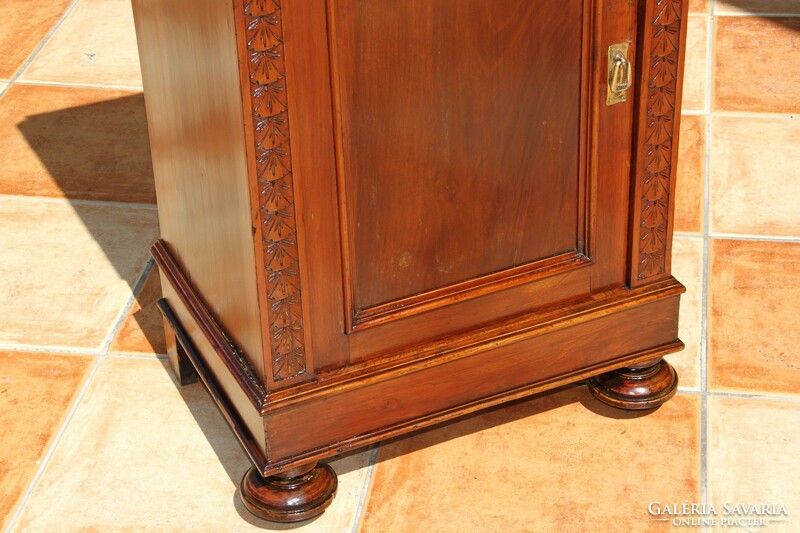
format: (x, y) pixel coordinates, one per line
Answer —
(644, 387)
(451, 132)
(301, 493)
(364, 403)
(190, 65)
(378, 216)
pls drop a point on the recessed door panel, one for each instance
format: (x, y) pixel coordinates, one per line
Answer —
(459, 141)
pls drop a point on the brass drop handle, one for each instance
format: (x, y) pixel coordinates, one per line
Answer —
(619, 74)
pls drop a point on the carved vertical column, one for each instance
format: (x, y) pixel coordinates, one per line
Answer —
(657, 119)
(265, 103)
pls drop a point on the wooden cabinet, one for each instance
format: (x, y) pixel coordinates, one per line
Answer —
(380, 215)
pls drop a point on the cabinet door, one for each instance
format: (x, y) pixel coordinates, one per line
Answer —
(455, 163)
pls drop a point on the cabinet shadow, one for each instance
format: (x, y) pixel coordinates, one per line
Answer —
(97, 157)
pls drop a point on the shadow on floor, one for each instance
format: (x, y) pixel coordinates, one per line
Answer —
(227, 449)
(98, 152)
(507, 413)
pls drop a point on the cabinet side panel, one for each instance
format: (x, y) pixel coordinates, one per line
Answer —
(194, 111)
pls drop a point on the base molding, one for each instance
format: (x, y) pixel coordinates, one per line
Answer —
(276, 463)
(424, 385)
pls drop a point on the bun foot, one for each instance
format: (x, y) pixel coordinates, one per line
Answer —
(636, 388)
(296, 495)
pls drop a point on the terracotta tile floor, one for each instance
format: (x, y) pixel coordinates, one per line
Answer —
(95, 436)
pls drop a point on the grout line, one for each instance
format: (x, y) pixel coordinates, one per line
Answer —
(45, 83)
(708, 104)
(56, 200)
(704, 450)
(42, 44)
(117, 325)
(740, 395)
(687, 235)
(133, 355)
(753, 396)
(373, 458)
(45, 460)
(735, 237)
(746, 237)
(757, 15)
(753, 115)
(51, 349)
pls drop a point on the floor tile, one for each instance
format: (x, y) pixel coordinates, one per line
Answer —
(96, 44)
(143, 329)
(691, 175)
(754, 317)
(772, 7)
(36, 390)
(755, 64)
(143, 455)
(25, 24)
(554, 463)
(698, 6)
(66, 270)
(87, 144)
(754, 183)
(687, 267)
(695, 67)
(754, 457)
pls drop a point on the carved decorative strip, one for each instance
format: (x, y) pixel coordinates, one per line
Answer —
(656, 186)
(267, 75)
